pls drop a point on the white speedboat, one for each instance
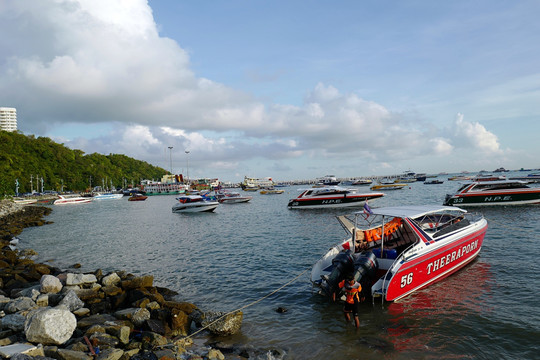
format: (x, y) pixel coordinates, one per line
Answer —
(107, 196)
(72, 199)
(330, 197)
(194, 203)
(395, 251)
(231, 197)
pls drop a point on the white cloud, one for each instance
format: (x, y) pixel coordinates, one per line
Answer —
(475, 135)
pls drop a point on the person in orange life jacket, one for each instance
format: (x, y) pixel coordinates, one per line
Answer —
(352, 298)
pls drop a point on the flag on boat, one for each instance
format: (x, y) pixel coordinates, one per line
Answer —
(367, 209)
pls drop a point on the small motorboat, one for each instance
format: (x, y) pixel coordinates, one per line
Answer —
(391, 186)
(231, 197)
(395, 251)
(433, 182)
(137, 197)
(486, 191)
(194, 203)
(72, 199)
(107, 196)
(272, 191)
(330, 197)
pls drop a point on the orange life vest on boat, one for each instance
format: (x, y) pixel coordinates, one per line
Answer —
(389, 229)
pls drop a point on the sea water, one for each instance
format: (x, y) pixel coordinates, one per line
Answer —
(258, 256)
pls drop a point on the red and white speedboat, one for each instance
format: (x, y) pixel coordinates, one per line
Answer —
(72, 199)
(395, 251)
(330, 197)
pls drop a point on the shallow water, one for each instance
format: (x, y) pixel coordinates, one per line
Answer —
(231, 258)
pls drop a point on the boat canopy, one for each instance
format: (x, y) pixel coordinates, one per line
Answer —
(411, 211)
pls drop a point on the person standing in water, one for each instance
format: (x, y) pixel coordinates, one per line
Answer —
(352, 290)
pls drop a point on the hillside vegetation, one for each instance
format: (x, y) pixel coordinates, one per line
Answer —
(25, 157)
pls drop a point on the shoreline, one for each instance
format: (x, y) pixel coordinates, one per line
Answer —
(113, 316)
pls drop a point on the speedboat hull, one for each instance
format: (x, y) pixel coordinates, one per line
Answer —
(193, 208)
(72, 200)
(413, 247)
(330, 197)
(494, 192)
(418, 272)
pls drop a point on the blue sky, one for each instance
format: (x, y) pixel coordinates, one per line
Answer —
(286, 89)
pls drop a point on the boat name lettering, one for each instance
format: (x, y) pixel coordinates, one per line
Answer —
(451, 257)
(498, 198)
(331, 201)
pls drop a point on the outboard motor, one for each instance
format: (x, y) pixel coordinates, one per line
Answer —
(365, 270)
(343, 264)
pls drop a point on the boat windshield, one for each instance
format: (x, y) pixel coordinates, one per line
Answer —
(497, 186)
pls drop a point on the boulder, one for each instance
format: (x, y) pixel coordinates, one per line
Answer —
(50, 284)
(19, 304)
(111, 280)
(13, 322)
(80, 279)
(50, 326)
(223, 325)
(71, 301)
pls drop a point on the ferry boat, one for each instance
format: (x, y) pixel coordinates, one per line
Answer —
(161, 188)
(395, 251)
(254, 184)
(486, 191)
(330, 197)
(327, 180)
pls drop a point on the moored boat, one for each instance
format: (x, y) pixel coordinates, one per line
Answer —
(432, 182)
(271, 191)
(72, 199)
(327, 180)
(488, 191)
(194, 203)
(231, 197)
(396, 251)
(137, 197)
(108, 196)
(330, 197)
(390, 186)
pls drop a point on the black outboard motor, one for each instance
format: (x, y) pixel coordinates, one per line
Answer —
(343, 264)
(365, 270)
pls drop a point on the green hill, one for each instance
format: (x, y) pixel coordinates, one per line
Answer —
(25, 158)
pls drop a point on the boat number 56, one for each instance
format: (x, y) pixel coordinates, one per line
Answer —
(406, 280)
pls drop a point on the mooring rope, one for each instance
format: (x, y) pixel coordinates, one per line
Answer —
(239, 309)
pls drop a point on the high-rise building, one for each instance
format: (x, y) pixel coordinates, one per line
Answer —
(8, 119)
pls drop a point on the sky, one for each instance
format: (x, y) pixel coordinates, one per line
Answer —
(287, 89)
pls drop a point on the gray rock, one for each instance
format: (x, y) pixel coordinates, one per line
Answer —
(110, 354)
(223, 325)
(30, 292)
(111, 280)
(71, 301)
(50, 284)
(64, 354)
(50, 326)
(19, 304)
(136, 315)
(13, 322)
(80, 279)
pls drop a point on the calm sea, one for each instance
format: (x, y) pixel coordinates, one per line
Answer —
(231, 258)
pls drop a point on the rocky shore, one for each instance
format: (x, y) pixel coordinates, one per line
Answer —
(50, 313)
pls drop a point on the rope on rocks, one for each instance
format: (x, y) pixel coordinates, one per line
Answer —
(239, 309)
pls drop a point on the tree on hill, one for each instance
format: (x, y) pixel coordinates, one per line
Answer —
(27, 159)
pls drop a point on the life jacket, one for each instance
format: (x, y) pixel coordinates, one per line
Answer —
(389, 228)
(351, 292)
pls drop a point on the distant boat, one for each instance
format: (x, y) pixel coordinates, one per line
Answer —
(107, 196)
(330, 197)
(137, 197)
(194, 203)
(431, 182)
(72, 199)
(493, 191)
(328, 180)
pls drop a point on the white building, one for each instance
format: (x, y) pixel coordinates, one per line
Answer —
(8, 119)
